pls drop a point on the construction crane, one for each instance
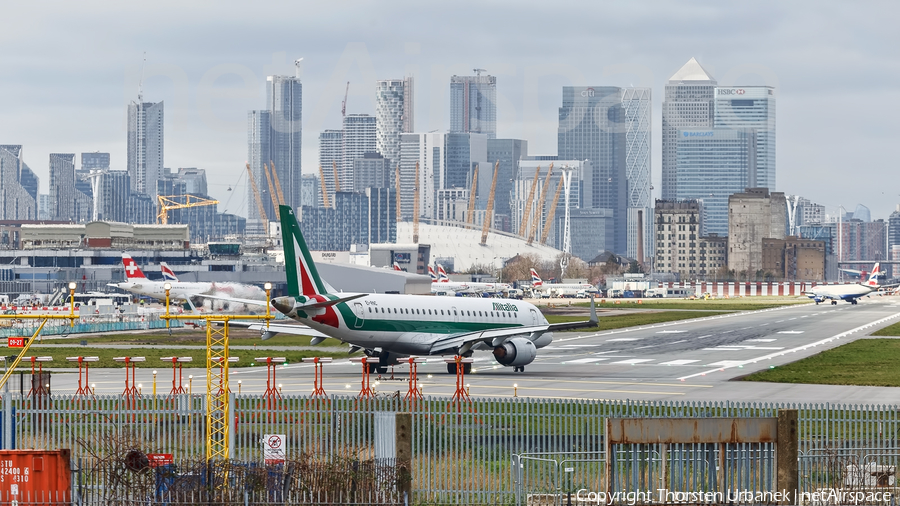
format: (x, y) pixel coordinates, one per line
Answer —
(490, 206)
(259, 203)
(167, 203)
(337, 181)
(470, 213)
(325, 201)
(524, 225)
(551, 212)
(344, 103)
(416, 207)
(543, 199)
(272, 193)
(277, 182)
(397, 191)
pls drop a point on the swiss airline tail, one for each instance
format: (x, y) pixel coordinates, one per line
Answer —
(167, 273)
(132, 271)
(431, 273)
(442, 274)
(873, 277)
(535, 279)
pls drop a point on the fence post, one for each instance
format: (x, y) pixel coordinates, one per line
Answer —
(404, 454)
(786, 454)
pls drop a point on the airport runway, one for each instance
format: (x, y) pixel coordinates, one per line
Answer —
(679, 361)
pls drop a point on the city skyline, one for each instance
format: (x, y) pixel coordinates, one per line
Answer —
(209, 79)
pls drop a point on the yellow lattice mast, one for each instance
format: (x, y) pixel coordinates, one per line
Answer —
(490, 205)
(168, 203)
(259, 203)
(277, 182)
(325, 201)
(470, 212)
(416, 207)
(272, 194)
(524, 225)
(551, 212)
(534, 223)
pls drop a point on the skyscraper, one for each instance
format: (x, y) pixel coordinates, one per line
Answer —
(357, 140)
(145, 145)
(18, 186)
(89, 162)
(637, 105)
(688, 103)
(284, 97)
(426, 150)
(473, 104)
(505, 153)
(751, 107)
(593, 126)
(67, 203)
(393, 115)
(258, 146)
(331, 145)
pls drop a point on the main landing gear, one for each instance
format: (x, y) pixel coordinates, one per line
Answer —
(451, 368)
(519, 368)
(373, 368)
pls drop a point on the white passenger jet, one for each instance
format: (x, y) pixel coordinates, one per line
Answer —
(559, 289)
(849, 292)
(137, 282)
(392, 326)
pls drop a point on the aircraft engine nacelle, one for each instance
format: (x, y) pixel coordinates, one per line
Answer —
(516, 352)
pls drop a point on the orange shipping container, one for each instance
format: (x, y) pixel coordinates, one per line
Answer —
(35, 476)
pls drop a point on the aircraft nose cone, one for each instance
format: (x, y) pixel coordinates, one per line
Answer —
(283, 304)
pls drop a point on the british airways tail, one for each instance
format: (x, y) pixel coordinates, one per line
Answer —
(431, 273)
(302, 275)
(873, 277)
(167, 273)
(535, 279)
(442, 274)
(132, 271)
(397, 267)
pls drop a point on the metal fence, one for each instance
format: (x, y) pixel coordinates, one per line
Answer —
(86, 325)
(489, 451)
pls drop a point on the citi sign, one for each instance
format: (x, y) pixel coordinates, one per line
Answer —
(697, 134)
(730, 91)
(588, 92)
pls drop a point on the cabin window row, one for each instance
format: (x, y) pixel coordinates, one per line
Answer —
(434, 312)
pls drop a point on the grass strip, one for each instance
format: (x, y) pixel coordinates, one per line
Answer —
(865, 362)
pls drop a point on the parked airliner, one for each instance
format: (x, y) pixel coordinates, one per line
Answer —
(849, 292)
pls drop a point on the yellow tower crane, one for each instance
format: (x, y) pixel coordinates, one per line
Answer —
(325, 201)
(416, 207)
(551, 212)
(470, 212)
(524, 225)
(259, 203)
(167, 203)
(277, 183)
(543, 199)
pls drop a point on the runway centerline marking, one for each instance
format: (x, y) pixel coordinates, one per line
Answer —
(679, 362)
(634, 361)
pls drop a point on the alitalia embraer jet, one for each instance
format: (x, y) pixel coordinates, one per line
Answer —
(391, 326)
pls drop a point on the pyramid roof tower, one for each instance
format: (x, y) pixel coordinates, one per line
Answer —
(692, 71)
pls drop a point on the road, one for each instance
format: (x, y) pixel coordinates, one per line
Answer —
(690, 360)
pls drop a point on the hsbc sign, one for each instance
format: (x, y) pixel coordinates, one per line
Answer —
(730, 91)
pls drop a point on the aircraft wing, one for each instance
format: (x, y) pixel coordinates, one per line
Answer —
(495, 337)
(252, 302)
(282, 328)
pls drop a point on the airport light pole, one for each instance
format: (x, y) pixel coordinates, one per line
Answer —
(268, 287)
(72, 286)
(167, 286)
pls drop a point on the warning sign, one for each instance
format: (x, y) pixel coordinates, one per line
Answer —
(274, 448)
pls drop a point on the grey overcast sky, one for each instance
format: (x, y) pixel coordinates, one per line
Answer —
(70, 68)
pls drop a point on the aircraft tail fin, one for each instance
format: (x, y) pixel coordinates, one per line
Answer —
(167, 273)
(442, 274)
(302, 275)
(431, 273)
(132, 271)
(535, 278)
(873, 276)
(397, 267)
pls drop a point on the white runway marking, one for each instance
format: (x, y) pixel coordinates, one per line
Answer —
(723, 348)
(671, 331)
(759, 340)
(634, 361)
(624, 339)
(727, 363)
(791, 332)
(679, 362)
(704, 337)
(682, 341)
(585, 360)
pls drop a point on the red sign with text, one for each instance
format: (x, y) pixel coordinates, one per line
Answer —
(16, 342)
(159, 459)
